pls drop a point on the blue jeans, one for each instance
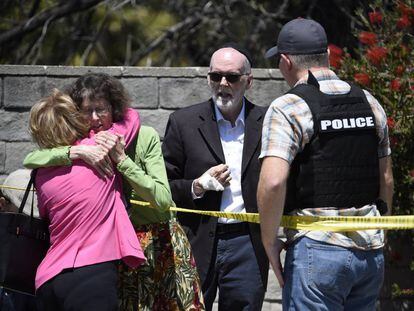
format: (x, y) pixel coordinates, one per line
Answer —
(320, 276)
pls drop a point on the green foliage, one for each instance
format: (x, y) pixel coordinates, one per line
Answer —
(158, 32)
(397, 292)
(384, 65)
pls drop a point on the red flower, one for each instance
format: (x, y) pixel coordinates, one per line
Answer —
(376, 55)
(403, 22)
(404, 9)
(369, 38)
(141, 235)
(390, 122)
(375, 17)
(412, 173)
(336, 50)
(399, 70)
(395, 85)
(393, 141)
(362, 78)
(335, 55)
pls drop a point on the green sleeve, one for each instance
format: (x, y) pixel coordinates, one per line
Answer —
(47, 157)
(147, 175)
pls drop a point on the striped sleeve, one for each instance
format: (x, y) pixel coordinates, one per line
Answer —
(381, 126)
(287, 128)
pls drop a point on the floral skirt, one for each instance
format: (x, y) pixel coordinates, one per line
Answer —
(169, 279)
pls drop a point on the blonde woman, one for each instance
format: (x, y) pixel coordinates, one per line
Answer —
(89, 227)
(169, 279)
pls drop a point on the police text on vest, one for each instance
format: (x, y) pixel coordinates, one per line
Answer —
(337, 124)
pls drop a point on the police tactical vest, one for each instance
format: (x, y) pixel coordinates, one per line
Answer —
(339, 166)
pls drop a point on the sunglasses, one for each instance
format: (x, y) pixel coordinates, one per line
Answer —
(231, 77)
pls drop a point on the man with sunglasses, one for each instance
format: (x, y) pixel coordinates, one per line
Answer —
(325, 152)
(211, 152)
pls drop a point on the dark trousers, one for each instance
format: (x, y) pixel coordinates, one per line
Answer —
(6, 302)
(86, 288)
(14, 301)
(235, 273)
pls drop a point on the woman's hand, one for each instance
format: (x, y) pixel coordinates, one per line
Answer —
(96, 156)
(7, 206)
(114, 143)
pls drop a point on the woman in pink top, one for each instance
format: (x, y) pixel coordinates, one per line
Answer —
(89, 225)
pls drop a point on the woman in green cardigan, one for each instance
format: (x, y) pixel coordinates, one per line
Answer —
(169, 279)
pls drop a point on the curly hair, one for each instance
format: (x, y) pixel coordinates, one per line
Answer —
(56, 121)
(97, 86)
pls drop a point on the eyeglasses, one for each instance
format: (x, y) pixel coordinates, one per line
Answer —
(99, 111)
(231, 77)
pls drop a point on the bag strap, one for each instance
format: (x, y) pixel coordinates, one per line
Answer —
(26, 193)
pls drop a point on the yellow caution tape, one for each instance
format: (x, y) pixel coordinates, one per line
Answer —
(142, 203)
(309, 223)
(348, 223)
(12, 188)
(249, 217)
(312, 223)
(321, 223)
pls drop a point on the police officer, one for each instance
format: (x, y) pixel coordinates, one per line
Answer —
(325, 152)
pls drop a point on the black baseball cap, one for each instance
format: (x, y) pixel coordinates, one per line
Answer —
(300, 36)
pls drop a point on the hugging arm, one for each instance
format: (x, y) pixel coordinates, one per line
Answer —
(96, 156)
(148, 177)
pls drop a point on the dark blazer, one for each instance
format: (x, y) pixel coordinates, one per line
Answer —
(191, 146)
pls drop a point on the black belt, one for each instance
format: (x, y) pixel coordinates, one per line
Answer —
(239, 227)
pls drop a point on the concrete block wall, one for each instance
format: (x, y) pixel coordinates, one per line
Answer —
(156, 92)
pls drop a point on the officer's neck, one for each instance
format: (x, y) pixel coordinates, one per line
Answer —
(302, 74)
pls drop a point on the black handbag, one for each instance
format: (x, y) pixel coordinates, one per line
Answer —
(24, 241)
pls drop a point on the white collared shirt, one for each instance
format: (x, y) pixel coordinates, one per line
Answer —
(232, 140)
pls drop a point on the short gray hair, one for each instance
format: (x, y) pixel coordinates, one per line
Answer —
(247, 68)
(307, 61)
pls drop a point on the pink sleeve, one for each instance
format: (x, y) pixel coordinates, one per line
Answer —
(128, 127)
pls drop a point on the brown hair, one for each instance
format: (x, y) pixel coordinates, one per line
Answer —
(55, 121)
(96, 86)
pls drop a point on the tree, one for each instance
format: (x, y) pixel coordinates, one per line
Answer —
(155, 33)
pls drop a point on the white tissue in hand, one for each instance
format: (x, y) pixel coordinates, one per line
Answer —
(209, 182)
